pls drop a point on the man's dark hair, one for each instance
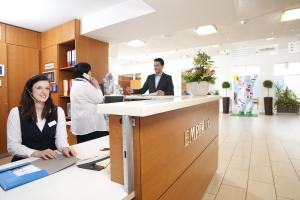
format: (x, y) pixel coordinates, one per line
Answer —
(80, 69)
(160, 60)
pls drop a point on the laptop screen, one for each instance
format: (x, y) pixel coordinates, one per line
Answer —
(113, 99)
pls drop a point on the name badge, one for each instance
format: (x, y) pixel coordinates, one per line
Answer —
(50, 124)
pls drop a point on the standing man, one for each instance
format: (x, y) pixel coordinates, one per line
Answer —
(159, 83)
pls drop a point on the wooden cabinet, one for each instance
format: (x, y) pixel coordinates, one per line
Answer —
(95, 53)
(49, 55)
(19, 52)
(3, 99)
(60, 34)
(2, 32)
(25, 53)
(22, 37)
(23, 63)
(55, 44)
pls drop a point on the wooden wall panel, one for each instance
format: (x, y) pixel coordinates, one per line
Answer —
(95, 53)
(164, 157)
(63, 33)
(2, 32)
(3, 99)
(23, 63)
(22, 37)
(49, 55)
(193, 183)
(49, 38)
(116, 150)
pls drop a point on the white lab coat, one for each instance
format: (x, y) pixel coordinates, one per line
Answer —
(84, 116)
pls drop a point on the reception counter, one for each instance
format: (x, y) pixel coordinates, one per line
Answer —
(164, 147)
(71, 183)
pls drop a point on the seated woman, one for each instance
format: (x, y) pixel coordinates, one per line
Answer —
(37, 127)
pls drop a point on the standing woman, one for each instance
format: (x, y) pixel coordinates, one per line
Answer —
(86, 123)
(37, 127)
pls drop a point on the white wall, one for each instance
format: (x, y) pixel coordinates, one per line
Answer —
(223, 64)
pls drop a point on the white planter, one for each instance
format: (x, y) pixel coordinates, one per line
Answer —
(198, 89)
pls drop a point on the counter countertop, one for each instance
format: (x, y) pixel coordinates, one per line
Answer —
(153, 104)
(71, 183)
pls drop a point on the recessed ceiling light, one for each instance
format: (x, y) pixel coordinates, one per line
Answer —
(270, 38)
(205, 30)
(167, 35)
(136, 43)
(243, 22)
(215, 45)
(290, 15)
(224, 52)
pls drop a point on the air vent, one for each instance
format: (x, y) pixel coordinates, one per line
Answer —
(294, 47)
(272, 49)
(243, 52)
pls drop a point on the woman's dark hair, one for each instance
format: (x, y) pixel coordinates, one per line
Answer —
(160, 60)
(27, 107)
(80, 69)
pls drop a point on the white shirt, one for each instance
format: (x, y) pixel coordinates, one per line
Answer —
(14, 134)
(84, 116)
(157, 79)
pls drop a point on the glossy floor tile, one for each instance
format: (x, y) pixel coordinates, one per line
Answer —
(259, 159)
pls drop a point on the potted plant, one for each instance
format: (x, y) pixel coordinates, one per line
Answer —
(286, 100)
(226, 100)
(199, 77)
(268, 101)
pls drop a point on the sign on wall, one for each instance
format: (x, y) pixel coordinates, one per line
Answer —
(2, 70)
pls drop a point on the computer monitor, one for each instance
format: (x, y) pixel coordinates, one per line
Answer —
(113, 99)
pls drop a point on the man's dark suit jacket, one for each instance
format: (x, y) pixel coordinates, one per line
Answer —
(165, 84)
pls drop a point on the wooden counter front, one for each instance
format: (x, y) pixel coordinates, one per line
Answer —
(165, 167)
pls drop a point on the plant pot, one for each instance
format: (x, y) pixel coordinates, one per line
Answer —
(226, 102)
(198, 89)
(287, 110)
(268, 101)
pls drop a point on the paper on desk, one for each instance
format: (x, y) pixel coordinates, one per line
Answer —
(55, 165)
(89, 155)
(25, 170)
(104, 163)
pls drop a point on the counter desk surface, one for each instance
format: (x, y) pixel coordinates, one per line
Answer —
(72, 183)
(151, 105)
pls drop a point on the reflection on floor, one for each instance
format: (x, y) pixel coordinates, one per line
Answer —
(259, 158)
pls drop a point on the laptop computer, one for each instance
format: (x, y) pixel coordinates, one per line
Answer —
(113, 99)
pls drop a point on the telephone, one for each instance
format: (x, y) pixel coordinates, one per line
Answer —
(30, 94)
(85, 75)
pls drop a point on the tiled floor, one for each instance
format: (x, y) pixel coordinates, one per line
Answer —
(259, 159)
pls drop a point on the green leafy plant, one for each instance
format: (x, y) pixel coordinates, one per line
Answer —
(226, 85)
(268, 84)
(286, 98)
(202, 71)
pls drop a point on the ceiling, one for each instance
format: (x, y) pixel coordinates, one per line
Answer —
(42, 15)
(169, 27)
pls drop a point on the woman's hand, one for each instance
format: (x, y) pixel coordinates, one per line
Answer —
(69, 152)
(45, 154)
(129, 90)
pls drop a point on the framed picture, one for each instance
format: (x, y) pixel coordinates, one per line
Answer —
(53, 87)
(51, 76)
(2, 70)
(48, 66)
